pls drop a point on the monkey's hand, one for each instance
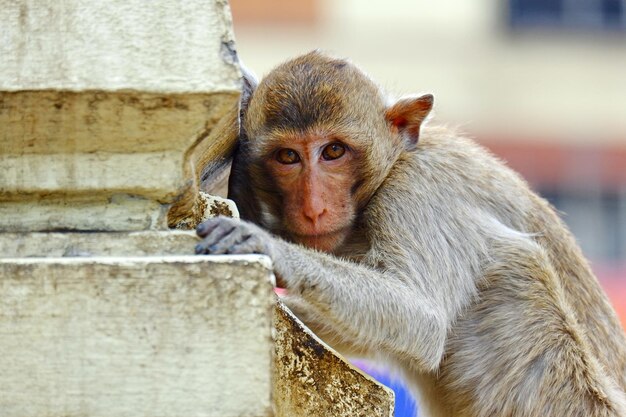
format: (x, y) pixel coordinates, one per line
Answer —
(223, 235)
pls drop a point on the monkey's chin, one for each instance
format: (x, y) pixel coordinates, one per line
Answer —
(326, 242)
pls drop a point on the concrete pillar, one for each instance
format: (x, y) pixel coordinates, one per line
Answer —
(107, 108)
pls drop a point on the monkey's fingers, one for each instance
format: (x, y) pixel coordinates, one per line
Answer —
(208, 244)
(252, 244)
(228, 242)
(208, 226)
(202, 248)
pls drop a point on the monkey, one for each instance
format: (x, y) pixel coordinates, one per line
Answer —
(412, 245)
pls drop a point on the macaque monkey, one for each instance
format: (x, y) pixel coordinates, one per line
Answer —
(412, 245)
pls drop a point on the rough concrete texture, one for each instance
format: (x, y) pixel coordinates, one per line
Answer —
(208, 163)
(208, 206)
(313, 380)
(104, 161)
(112, 337)
(309, 378)
(119, 244)
(108, 111)
(77, 45)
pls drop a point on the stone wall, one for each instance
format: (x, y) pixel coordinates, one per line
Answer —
(103, 106)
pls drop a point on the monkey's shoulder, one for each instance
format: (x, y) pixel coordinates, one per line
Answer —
(450, 176)
(452, 163)
(440, 148)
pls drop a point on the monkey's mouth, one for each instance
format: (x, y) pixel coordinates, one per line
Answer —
(320, 235)
(326, 241)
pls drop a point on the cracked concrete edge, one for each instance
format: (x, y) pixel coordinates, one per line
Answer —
(262, 261)
(206, 207)
(311, 378)
(228, 48)
(106, 244)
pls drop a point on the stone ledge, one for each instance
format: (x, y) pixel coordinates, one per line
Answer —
(137, 336)
(109, 161)
(314, 380)
(122, 244)
(80, 300)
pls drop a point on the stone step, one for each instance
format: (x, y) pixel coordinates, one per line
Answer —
(136, 336)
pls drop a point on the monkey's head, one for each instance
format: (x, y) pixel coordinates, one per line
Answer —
(319, 139)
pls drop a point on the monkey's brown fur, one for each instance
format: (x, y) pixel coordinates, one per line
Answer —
(453, 271)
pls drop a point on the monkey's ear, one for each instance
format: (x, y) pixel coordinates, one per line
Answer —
(407, 116)
(249, 84)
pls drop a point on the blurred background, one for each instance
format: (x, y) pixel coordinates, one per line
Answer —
(542, 83)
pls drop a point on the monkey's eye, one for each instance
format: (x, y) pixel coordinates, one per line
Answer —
(287, 156)
(333, 151)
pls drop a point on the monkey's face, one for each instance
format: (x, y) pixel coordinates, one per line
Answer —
(320, 140)
(314, 177)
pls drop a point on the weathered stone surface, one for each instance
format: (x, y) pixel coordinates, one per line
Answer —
(163, 46)
(207, 206)
(119, 123)
(311, 379)
(104, 161)
(108, 112)
(134, 244)
(116, 213)
(136, 336)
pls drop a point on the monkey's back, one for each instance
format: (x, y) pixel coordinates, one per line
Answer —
(593, 310)
(539, 316)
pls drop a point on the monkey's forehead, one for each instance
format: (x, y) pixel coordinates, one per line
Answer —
(309, 102)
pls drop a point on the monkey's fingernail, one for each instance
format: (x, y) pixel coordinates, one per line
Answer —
(199, 248)
(212, 248)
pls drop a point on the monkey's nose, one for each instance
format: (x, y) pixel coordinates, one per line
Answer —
(314, 216)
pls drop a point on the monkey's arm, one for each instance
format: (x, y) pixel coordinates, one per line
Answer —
(364, 306)
(385, 311)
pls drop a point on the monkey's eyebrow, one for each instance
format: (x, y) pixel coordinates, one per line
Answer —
(267, 146)
(271, 139)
